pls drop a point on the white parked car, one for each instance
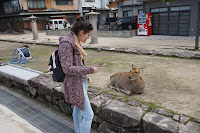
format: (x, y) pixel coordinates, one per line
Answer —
(55, 24)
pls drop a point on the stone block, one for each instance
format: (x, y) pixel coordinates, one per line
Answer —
(42, 100)
(121, 114)
(54, 101)
(33, 91)
(120, 99)
(8, 82)
(191, 127)
(97, 119)
(1, 78)
(65, 107)
(176, 117)
(58, 92)
(144, 107)
(197, 120)
(33, 82)
(98, 102)
(155, 123)
(18, 85)
(94, 92)
(26, 88)
(163, 112)
(184, 119)
(134, 103)
(106, 127)
(48, 98)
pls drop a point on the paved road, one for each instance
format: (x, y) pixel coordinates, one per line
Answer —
(151, 43)
(17, 115)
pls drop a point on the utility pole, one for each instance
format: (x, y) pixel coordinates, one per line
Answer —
(197, 29)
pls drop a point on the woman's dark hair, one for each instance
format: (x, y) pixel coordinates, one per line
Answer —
(81, 24)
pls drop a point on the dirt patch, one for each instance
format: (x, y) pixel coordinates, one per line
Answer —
(171, 83)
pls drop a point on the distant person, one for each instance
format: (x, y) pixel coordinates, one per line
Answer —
(71, 54)
(65, 24)
(47, 27)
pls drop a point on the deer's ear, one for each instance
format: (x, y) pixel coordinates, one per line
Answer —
(142, 69)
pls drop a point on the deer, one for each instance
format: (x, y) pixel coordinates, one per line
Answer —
(128, 82)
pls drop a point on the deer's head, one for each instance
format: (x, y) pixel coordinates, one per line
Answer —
(134, 73)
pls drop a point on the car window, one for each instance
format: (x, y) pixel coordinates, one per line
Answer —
(51, 22)
(55, 22)
(60, 22)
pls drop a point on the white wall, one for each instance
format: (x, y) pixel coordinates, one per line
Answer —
(99, 4)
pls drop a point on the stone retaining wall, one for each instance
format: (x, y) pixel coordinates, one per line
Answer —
(101, 33)
(111, 114)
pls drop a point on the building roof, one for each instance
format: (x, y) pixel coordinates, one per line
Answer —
(114, 3)
(50, 13)
(146, 0)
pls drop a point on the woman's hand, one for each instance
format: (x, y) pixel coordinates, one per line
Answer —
(95, 69)
(89, 80)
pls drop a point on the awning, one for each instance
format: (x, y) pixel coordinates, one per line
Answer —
(113, 4)
(48, 13)
(146, 0)
(131, 5)
(58, 16)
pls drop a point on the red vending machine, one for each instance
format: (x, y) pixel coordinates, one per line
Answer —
(144, 24)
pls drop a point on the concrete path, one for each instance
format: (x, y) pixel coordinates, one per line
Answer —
(19, 116)
(10, 122)
(163, 45)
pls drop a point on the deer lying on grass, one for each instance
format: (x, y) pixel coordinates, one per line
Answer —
(128, 82)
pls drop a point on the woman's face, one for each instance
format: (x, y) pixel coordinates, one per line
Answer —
(83, 37)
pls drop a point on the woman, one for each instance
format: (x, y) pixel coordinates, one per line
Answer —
(71, 56)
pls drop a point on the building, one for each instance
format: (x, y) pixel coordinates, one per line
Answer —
(127, 7)
(178, 18)
(100, 6)
(14, 13)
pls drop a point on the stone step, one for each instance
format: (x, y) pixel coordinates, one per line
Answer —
(18, 73)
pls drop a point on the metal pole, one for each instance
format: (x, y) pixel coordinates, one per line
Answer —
(197, 30)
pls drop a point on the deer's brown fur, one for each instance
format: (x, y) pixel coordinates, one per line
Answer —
(128, 82)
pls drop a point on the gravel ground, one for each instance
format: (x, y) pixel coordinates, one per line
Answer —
(171, 83)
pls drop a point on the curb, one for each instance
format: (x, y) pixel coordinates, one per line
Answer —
(166, 53)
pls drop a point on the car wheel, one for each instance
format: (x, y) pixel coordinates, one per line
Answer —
(130, 27)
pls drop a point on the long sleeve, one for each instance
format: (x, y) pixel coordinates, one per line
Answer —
(67, 55)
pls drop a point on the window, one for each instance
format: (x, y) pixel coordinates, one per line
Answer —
(71, 18)
(159, 10)
(64, 2)
(89, 0)
(127, 13)
(11, 6)
(60, 22)
(37, 4)
(180, 8)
